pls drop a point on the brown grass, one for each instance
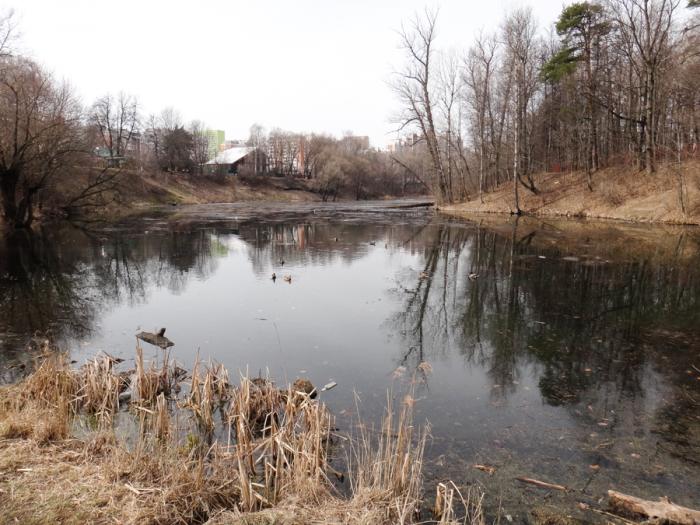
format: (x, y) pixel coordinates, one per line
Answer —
(619, 193)
(273, 465)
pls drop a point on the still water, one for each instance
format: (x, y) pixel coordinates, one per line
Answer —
(560, 351)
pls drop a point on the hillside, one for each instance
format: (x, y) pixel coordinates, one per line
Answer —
(618, 193)
(137, 190)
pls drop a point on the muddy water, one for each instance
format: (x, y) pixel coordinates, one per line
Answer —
(571, 355)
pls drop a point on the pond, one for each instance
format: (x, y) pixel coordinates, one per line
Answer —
(562, 351)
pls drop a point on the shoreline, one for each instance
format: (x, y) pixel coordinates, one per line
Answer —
(461, 211)
(619, 194)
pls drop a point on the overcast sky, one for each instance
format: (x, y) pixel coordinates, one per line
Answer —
(301, 65)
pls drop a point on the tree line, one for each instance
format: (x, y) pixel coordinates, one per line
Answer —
(335, 167)
(46, 134)
(613, 83)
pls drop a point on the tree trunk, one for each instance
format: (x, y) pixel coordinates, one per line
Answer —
(8, 191)
(515, 169)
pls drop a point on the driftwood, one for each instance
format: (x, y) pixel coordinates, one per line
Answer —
(659, 511)
(155, 339)
(542, 484)
(485, 468)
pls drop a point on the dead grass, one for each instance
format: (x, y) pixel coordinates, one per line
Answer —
(272, 464)
(619, 193)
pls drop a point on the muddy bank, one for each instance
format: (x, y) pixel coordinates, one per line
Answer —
(621, 194)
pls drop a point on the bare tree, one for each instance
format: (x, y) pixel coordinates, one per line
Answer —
(414, 88)
(200, 144)
(117, 122)
(479, 72)
(519, 35)
(450, 110)
(645, 26)
(257, 139)
(39, 135)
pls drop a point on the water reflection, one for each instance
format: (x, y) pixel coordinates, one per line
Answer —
(551, 350)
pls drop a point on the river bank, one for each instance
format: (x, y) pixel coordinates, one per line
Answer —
(621, 194)
(100, 444)
(139, 190)
(97, 444)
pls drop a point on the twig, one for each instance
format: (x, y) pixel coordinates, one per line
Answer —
(542, 484)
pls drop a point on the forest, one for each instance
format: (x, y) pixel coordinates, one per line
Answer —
(613, 83)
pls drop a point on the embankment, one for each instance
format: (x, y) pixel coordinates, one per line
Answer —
(623, 194)
(137, 190)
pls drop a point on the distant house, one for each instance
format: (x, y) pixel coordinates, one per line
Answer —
(234, 160)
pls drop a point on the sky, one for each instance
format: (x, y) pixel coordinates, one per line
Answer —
(298, 65)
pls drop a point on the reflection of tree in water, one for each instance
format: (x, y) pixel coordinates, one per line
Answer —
(57, 280)
(314, 244)
(42, 287)
(578, 322)
(128, 266)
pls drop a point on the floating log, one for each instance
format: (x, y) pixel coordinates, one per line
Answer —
(542, 484)
(155, 339)
(658, 511)
(412, 205)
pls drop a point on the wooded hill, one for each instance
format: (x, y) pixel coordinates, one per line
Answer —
(612, 83)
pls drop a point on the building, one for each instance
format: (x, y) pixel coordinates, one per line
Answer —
(216, 138)
(356, 142)
(233, 161)
(406, 143)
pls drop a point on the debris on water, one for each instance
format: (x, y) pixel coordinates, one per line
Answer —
(329, 386)
(155, 339)
(473, 276)
(662, 511)
(424, 275)
(485, 468)
(542, 484)
(274, 276)
(288, 279)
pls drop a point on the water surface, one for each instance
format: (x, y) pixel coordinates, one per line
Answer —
(565, 352)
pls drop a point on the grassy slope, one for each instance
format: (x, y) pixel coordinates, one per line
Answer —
(142, 189)
(618, 193)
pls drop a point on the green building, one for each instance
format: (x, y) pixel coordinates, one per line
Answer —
(216, 138)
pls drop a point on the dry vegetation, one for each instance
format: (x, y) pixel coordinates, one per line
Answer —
(139, 189)
(618, 193)
(219, 453)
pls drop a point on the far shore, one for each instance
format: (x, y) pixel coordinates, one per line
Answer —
(618, 194)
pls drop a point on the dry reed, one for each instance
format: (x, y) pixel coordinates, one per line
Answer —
(277, 456)
(99, 390)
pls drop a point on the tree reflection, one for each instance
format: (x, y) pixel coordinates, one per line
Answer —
(577, 320)
(58, 280)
